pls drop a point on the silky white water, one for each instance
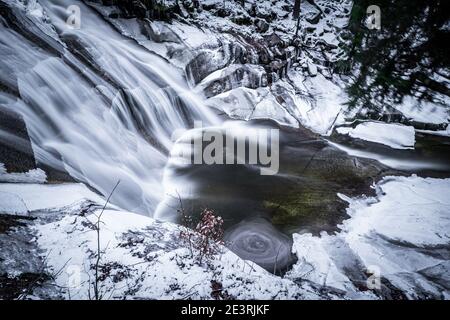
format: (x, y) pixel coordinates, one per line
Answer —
(101, 131)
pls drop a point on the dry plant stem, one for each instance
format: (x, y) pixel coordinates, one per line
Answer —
(97, 295)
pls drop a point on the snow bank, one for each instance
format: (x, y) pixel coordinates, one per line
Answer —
(12, 204)
(393, 135)
(32, 176)
(321, 113)
(39, 197)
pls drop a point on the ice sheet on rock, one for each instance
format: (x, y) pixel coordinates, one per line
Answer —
(248, 104)
(396, 136)
(411, 209)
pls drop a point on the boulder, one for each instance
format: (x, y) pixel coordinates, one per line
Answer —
(262, 25)
(16, 152)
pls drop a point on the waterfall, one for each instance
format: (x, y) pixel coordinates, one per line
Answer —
(96, 103)
(102, 108)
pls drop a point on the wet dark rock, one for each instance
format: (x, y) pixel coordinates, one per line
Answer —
(222, 12)
(16, 151)
(242, 20)
(208, 6)
(205, 63)
(139, 9)
(114, 14)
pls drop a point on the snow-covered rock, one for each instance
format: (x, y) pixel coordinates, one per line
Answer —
(396, 136)
(31, 176)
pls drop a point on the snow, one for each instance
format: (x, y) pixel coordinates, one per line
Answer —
(424, 111)
(247, 104)
(143, 258)
(393, 135)
(398, 232)
(39, 197)
(323, 111)
(31, 176)
(12, 204)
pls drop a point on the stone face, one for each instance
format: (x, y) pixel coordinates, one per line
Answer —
(205, 63)
(262, 25)
(242, 76)
(16, 152)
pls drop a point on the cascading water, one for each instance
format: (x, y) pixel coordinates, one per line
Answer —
(104, 119)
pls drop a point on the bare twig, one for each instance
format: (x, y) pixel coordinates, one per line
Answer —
(97, 295)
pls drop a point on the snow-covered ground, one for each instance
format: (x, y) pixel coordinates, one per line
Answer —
(426, 112)
(402, 235)
(141, 257)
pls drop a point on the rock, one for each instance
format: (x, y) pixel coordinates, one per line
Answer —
(222, 12)
(139, 9)
(274, 40)
(16, 152)
(242, 20)
(115, 14)
(238, 76)
(261, 25)
(159, 32)
(314, 19)
(312, 69)
(206, 62)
